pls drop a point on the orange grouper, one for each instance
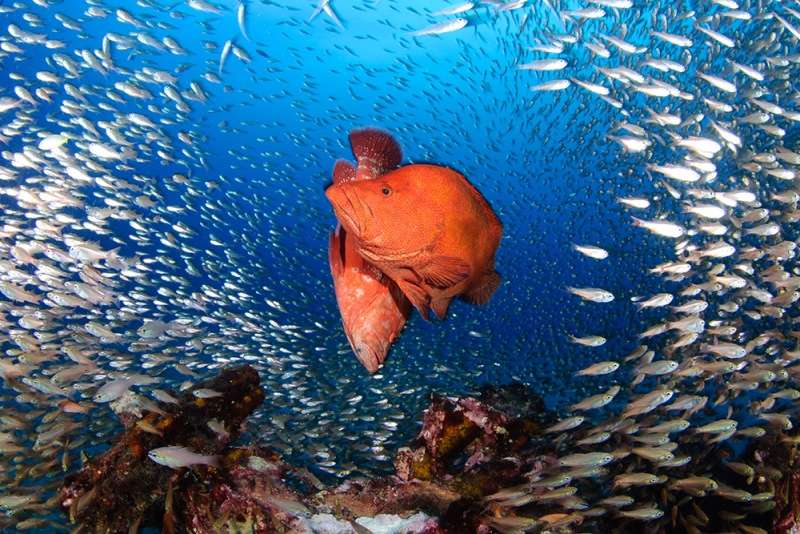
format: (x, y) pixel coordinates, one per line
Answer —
(373, 309)
(425, 227)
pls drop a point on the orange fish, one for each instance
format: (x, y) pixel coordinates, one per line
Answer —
(373, 309)
(425, 227)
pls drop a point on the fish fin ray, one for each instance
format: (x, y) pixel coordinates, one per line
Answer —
(376, 151)
(417, 296)
(445, 271)
(484, 289)
(343, 171)
(440, 306)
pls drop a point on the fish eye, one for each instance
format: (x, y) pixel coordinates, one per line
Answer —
(386, 191)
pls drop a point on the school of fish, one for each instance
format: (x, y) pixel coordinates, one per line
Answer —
(161, 165)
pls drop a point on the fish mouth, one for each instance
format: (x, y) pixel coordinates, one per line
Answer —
(371, 355)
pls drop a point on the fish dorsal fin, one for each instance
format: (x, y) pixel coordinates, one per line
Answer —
(444, 271)
(343, 171)
(377, 152)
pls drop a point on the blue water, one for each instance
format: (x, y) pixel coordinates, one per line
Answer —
(268, 136)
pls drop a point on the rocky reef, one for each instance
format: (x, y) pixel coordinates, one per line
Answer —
(122, 488)
(474, 467)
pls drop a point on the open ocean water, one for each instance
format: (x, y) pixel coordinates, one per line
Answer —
(164, 164)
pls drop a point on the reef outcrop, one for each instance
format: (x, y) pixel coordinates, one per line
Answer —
(472, 468)
(122, 488)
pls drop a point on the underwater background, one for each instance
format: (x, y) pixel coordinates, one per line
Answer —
(231, 239)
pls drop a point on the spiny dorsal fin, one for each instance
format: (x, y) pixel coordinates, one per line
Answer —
(343, 171)
(376, 151)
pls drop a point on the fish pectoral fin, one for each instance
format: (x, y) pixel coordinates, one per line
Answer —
(440, 306)
(335, 253)
(482, 291)
(417, 295)
(343, 171)
(444, 271)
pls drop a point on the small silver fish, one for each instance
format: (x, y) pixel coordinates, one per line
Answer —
(592, 294)
(113, 390)
(443, 27)
(600, 368)
(206, 393)
(240, 18)
(593, 459)
(177, 457)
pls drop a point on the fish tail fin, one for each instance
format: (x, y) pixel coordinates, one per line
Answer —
(481, 292)
(375, 150)
(343, 171)
(213, 461)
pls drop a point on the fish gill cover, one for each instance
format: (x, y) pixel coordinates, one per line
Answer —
(163, 214)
